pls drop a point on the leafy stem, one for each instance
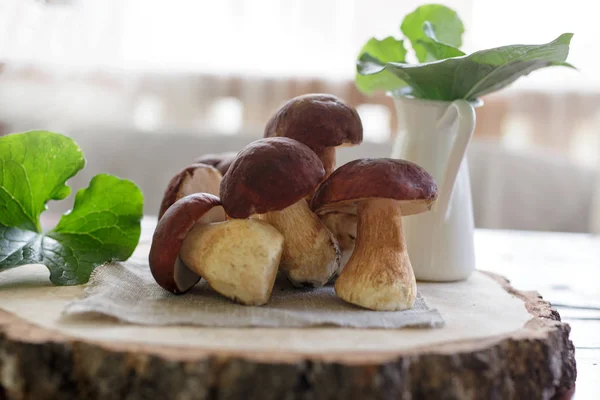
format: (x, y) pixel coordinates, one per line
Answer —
(444, 72)
(104, 224)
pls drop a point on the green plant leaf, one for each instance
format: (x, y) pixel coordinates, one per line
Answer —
(369, 66)
(34, 167)
(381, 52)
(446, 23)
(475, 75)
(436, 49)
(104, 224)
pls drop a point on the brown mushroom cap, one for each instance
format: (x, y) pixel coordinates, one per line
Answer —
(221, 161)
(165, 264)
(385, 178)
(269, 175)
(195, 178)
(318, 121)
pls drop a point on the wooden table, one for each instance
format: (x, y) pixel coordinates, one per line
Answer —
(563, 267)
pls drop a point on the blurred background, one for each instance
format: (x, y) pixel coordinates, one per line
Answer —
(146, 86)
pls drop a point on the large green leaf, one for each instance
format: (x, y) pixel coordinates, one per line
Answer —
(381, 52)
(444, 21)
(104, 224)
(475, 75)
(34, 167)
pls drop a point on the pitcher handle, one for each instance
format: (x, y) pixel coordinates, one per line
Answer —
(466, 126)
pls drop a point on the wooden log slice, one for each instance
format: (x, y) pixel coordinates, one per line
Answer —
(535, 362)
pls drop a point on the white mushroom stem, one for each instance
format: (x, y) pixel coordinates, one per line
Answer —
(327, 156)
(201, 180)
(239, 258)
(310, 252)
(343, 227)
(378, 275)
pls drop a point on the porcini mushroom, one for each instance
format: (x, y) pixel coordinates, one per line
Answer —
(195, 178)
(220, 161)
(320, 121)
(271, 177)
(238, 258)
(378, 275)
(165, 264)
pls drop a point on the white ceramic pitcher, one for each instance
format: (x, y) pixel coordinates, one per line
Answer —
(435, 135)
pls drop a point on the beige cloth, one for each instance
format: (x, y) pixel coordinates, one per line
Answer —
(128, 292)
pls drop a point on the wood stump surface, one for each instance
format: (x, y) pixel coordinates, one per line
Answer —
(535, 362)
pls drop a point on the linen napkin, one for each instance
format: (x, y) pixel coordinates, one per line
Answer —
(128, 292)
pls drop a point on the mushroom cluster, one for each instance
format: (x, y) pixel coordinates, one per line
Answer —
(281, 206)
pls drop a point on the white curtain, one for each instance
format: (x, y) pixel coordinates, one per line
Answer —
(272, 37)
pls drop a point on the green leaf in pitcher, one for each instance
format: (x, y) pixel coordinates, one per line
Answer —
(444, 72)
(429, 25)
(437, 50)
(480, 73)
(475, 75)
(381, 52)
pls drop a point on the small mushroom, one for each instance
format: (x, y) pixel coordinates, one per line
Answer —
(171, 230)
(195, 178)
(238, 258)
(343, 227)
(320, 121)
(378, 275)
(220, 161)
(271, 177)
